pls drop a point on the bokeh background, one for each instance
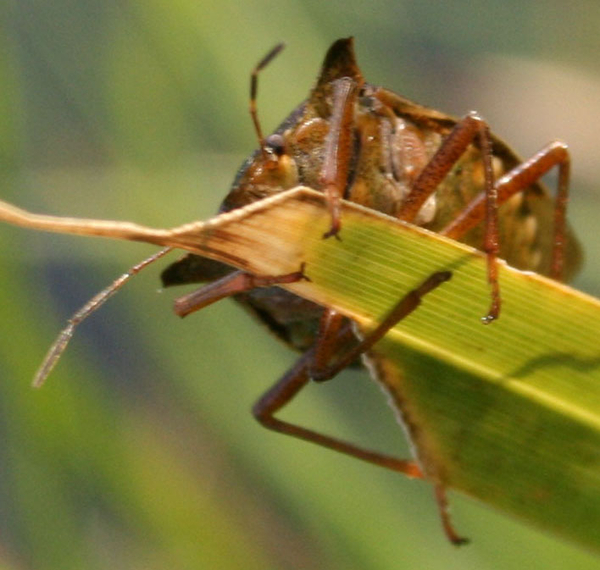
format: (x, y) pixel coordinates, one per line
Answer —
(140, 452)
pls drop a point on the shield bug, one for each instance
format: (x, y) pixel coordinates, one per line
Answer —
(364, 143)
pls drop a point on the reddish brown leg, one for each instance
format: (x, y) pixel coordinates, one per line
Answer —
(517, 180)
(442, 503)
(333, 335)
(328, 341)
(284, 392)
(232, 284)
(338, 149)
(452, 148)
(321, 369)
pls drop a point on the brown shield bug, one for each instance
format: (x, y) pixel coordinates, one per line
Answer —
(367, 144)
(360, 142)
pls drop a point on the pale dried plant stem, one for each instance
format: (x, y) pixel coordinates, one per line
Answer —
(81, 226)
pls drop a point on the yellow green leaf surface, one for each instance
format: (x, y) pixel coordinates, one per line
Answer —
(511, 410)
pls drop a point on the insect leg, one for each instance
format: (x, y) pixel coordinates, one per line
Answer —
(517, 180)
(286, 389)
(332, 329)
(469, 128)
(442, 502)
(61, 342)
(231, 284)
(333, 335)
(338, 148)
(406, 305)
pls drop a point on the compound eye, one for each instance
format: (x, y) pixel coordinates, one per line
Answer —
(275, 144)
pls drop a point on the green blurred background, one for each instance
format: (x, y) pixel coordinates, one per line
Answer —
(140, 452)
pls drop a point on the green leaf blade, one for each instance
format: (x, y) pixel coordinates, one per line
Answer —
(508, 413)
